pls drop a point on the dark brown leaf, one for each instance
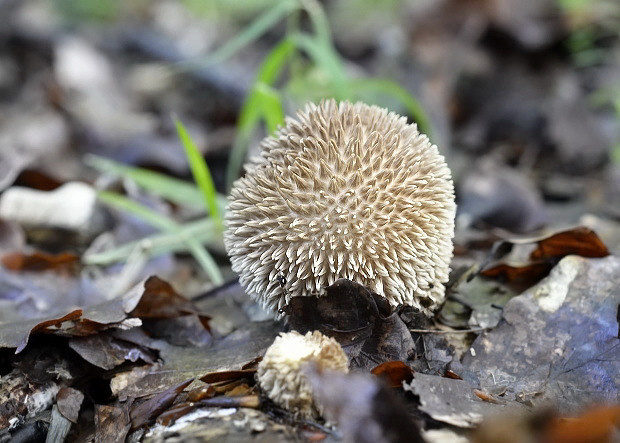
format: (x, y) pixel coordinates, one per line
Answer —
(549, 250)
(15, 333)
(175, 412)
(160, 300)
(362, 322)
(253, 364)
(69, 401)
(518, 278)
(201, 393)
(578, 241)
(35, 179)
(394, 372)
(151, 408)
(108, 352)
(112, 423)
(214, 377)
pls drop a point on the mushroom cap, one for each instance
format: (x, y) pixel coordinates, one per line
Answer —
(344, 191)
(281, 373)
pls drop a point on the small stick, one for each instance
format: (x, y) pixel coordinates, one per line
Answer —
(246, 401)
(436, 331)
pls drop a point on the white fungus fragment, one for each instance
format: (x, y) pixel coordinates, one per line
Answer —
(281, 372)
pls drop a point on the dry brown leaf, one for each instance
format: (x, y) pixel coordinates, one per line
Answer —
(394, 372)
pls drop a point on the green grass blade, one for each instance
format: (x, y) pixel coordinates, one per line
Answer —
(202, 231)
(206, 261)
(319, 21)
(390, 88)
(201, 173)
(173, 189)
(326, 57)
(249, 117)
(180, 192)
(192, 244)
(125, 204)
(273, 63)
(270, 105)
(258, 27)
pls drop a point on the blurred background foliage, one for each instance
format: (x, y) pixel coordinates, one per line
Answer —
(530, 88)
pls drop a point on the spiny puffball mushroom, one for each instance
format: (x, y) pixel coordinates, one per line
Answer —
(281, 374)
(344, 191)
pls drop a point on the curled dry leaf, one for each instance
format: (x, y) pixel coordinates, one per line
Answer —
(548, 251)
(580, 241)
(64, 262)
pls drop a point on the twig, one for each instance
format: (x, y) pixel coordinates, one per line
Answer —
(436, 331)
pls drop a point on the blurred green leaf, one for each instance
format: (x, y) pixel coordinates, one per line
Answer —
(202, 231)
(250, 115)
(125, 204)
(270, 105)
(191, 243)
(258, 27)
(390, 88)
(326, 57)
(173, 189)
(201, 173)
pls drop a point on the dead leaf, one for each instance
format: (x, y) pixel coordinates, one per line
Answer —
(175, 412)
(185, 330)
(201, 393)
(365, 409)
(76, 322)
(548, 251)
(35, 179)
(160, 300)
(394, 372)
(453, 375)
(215, 377)
(454, 401)
(63, 263)
(596, 425)
(485, 396)
(112, 423)
(518, 278)
(149, 409)
(580, 241)
(69, 402)
(241, 389)
(179, 362)
(363, 323)
(253, 364)
(107, 352)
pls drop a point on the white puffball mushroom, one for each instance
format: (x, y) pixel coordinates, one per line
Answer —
(344, 191)
(281, 373)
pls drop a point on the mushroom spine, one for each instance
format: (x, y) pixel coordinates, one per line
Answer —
(344, 191)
